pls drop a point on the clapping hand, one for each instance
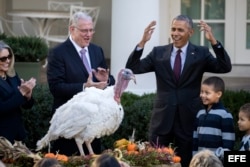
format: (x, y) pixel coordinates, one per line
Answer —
(102, 75)
(26, 87)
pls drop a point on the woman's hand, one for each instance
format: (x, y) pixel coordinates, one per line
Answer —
(26, 87)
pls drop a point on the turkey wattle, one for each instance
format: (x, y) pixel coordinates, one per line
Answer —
(90, 114)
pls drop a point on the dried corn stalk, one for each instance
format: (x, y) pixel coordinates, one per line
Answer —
(9, 151)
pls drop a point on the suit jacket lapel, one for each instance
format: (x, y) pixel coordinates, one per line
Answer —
(167, 57)
(74, 56)
(91, 57)
(190, 57)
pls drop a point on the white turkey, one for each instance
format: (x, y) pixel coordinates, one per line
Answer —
(90, 114)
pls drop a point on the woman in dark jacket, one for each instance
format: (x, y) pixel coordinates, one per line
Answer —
(15, 94)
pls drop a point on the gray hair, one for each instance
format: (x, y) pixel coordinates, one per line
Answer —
(11, 71)
(79, 16)
(186, 19)
(205, 158)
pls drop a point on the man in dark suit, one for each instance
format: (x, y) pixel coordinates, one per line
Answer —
(177, 100)
(67, 74)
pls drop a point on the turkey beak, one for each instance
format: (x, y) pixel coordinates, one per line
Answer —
(133, 78)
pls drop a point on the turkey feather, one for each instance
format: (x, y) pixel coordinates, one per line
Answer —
(90, 114)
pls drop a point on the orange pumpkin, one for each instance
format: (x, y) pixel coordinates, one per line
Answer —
(171, 151)
(176, 159)
(50, 155)
(61, 157)
(131, 147)
(168, 150)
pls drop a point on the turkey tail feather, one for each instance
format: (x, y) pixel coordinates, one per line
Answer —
(43, 142)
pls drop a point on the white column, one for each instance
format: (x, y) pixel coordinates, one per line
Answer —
(129, 19)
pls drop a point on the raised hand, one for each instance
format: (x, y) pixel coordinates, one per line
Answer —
(208, 32)
(147, 34)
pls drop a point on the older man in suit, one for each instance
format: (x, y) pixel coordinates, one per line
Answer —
(69, 74)
(177, 100)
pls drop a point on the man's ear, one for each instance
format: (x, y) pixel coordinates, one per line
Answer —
(191, 32)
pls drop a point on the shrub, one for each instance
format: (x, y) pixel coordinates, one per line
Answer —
(3, 36)
(37, 118)
(27, 48)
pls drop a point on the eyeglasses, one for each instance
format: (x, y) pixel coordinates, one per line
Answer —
(3, 59)
(85, 31)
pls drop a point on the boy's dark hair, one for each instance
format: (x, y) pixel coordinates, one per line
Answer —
(48, 162)
(216, 82)
(106, 160)
(246, 109)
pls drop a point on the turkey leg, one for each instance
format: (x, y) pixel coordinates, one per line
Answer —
(88, 144)
(79, 145)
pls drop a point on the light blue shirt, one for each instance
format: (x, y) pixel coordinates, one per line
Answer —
(78, 49)
(183, 56)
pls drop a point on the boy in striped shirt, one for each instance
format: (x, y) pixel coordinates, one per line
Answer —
(214, 126)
